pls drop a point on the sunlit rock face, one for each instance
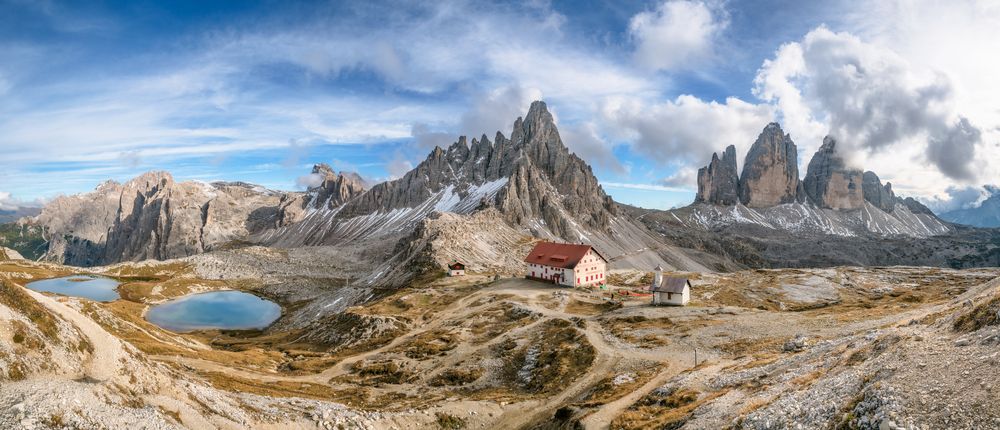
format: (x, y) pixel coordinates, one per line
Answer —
(770, 173)
(718, 183)
(829, 183)
(877, 194)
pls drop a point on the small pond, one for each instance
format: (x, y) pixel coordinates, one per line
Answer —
(232, 310)
(86, 286)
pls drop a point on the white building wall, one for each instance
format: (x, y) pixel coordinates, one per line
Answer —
(570, 279)
(591, 270)
(680, 299)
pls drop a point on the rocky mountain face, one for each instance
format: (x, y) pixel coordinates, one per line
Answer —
(877, 194)
(531, 178)
(153, 217)
(832, 199)
(718, 183)
(333, 190)
(770, 173)
(529, 181)
(829, 183)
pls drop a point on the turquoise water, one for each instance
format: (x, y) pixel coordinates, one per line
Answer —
(233, 310)
(89, 287)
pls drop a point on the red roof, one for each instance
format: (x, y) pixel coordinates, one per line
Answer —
(564, 255)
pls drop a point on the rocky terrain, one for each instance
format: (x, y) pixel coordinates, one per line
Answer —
(832, 199)
(152, 217)
(836, 215)
(820, 348)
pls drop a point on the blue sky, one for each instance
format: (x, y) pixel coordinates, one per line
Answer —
(645, 91)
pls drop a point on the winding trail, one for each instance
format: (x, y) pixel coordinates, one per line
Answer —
(105, 361)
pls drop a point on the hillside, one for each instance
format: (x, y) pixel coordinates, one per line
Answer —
(841, 346)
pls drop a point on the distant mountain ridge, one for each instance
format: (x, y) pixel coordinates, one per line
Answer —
(11, 215)
(153, 217)
(531, 181)
(529, 185)
(986, 215)
(832, 198)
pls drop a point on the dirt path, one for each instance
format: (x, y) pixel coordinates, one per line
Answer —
(607, 412)
(108, 350)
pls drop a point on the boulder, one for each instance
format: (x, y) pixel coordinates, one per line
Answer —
(770, 173)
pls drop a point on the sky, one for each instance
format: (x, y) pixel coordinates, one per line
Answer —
(644, 91)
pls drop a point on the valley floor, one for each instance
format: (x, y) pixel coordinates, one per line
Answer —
(894, 347)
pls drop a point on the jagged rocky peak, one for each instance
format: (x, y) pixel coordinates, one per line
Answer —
(549, 176)
(718, 183)
(877, 194)
(770, 173)
(530, 177)
(829, 182)
(328, 190)
(153, 217)
(335, 188)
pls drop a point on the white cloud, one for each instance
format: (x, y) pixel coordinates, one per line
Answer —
(960, 198)
(645, 187)
(398, 166)
(585, 141)
(686, 129)
(309, 181)
(676, 35)
(870, 99)
(6, 202)
(685, 178)
(9, 203)
(496, 111)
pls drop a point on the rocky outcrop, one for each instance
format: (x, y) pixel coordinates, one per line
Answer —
(916, 207)
(153, 217)
(531, 178)
(332, 190)
(9, 254)
(829, 183)
(877, 194)
(718, 183)
(770, 173)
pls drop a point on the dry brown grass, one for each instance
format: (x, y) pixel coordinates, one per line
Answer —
(562, 353)
(429, 344)
(754, 404)
(13, 296)
(642, 331)
(751, 346)
(579, 307)
(655, 411)
(457, 376)
(981, 315)
(237, 384)
(606, 391)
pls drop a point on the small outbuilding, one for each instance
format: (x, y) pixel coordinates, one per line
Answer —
(456, 269)
(670, 290)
